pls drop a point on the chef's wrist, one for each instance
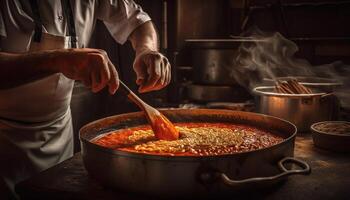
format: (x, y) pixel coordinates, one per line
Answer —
(60, 59)
(145, 49)
(46, 61)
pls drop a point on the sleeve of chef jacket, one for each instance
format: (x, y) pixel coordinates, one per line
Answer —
(121, 17)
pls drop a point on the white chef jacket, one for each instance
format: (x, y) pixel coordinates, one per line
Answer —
(121, 17)
(21, 125)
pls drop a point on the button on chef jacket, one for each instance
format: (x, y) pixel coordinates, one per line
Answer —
(35, 121)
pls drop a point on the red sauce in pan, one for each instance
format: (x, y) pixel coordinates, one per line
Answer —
(196, 139)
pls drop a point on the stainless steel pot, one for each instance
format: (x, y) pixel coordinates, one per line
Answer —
(300, 109)
(186, 176)
(210, 93)
(214, 60)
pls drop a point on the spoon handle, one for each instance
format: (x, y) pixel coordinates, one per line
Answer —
(124, 89)
(131, 95)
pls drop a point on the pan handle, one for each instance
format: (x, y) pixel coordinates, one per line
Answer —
(305, 169)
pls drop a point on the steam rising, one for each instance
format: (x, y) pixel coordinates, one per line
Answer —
(271, 55)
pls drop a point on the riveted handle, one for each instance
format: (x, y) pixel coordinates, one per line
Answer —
(304, 169)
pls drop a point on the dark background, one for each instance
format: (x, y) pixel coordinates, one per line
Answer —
(321, 29)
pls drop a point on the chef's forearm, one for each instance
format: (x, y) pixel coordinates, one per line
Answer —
(17, 69)
(144, 38)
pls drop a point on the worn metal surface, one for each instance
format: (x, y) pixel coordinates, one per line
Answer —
(300, 109)
(330, 179)
(214, 93)
(214, 60)
(331, 141)
(147, 174)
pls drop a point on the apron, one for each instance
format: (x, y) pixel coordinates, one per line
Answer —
(35, 120)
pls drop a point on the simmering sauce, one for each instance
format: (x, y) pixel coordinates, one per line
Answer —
(196, 139)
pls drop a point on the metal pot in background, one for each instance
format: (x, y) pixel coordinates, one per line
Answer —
(300, 109)
(210, 93)
(213, 60)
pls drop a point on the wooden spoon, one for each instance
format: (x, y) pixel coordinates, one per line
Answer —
(163, 129)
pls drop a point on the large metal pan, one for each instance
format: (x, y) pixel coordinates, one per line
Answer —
(183, 176)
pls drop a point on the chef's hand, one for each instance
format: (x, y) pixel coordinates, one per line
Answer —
(153, 71)
(92, 67)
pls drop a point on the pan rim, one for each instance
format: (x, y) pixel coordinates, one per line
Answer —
(167, 158)
(258, 91)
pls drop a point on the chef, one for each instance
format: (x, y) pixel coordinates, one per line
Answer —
(41, 55)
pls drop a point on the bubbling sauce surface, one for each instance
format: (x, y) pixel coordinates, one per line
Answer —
(196, 139)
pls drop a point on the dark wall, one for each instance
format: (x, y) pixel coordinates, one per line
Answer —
(321, 30)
